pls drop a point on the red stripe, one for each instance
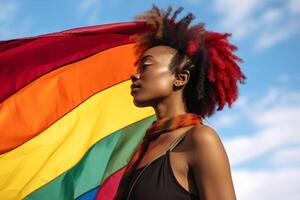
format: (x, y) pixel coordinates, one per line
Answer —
(23, 60)
(109, 187)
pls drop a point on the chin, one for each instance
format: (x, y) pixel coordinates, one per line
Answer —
(139, 101)
(140, 104)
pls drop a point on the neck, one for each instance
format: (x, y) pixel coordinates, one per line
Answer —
(170, 107)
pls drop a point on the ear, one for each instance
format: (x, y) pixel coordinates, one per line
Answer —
(182, 78)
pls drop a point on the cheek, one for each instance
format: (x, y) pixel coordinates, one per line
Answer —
(157, 86)
(161, 86)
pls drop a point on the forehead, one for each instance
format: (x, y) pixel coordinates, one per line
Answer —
(159, 52)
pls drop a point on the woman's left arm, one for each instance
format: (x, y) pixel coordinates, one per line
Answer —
(210, 165)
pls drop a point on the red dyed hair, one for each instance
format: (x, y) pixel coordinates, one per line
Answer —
(214, 69)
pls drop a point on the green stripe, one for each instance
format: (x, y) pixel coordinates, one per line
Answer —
(103, 159)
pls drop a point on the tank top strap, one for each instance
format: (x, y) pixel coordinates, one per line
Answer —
(179, 139)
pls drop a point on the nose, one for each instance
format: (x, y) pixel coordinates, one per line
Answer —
(134, 77)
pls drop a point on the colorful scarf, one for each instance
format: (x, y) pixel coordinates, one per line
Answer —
(157, 128)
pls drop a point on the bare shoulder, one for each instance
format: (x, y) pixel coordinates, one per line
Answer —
(203, 135)
(209, 163)
(204, 143)
(201, 131)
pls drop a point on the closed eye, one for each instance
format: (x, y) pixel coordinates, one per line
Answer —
(143, 66)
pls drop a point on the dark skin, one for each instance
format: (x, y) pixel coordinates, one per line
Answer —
(200, 162)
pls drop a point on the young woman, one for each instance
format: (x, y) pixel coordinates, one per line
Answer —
(184, 73)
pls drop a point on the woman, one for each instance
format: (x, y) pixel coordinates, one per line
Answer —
(183, 73)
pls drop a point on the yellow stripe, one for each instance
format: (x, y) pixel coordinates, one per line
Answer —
(62, 145)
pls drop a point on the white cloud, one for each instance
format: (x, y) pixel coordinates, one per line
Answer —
(11, 24)
(90, 10)
(284, 78)
(248, 148)
(294, 6)
(277, 34)
(226, 120)
(86, 5)
(274, 147)
(276, 118)
(267, 21)
(265, 163)
(194, 2)
(267, 184)
(236, 15)
(8, 10)
(285, 157)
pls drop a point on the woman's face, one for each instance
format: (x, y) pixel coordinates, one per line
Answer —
(153, 77)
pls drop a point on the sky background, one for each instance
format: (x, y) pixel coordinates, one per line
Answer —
(260, 132)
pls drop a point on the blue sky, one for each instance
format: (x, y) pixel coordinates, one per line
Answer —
(260, 132)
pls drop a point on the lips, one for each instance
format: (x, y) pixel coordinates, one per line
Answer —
(134, 86)
(134, 90)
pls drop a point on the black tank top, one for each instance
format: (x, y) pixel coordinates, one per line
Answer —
(156, 180)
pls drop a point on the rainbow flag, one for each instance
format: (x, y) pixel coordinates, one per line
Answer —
(67, 120)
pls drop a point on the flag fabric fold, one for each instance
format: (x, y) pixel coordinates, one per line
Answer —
(67, 120)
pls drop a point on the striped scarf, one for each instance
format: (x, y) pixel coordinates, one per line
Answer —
(157, 128)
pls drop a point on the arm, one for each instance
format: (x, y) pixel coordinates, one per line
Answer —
(210, 165)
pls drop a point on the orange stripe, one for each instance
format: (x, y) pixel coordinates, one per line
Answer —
(38, 105)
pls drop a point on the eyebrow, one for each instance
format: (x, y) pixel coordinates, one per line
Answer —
(142, 59)
(147, 56)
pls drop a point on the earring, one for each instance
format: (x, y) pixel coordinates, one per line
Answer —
(176, 83)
